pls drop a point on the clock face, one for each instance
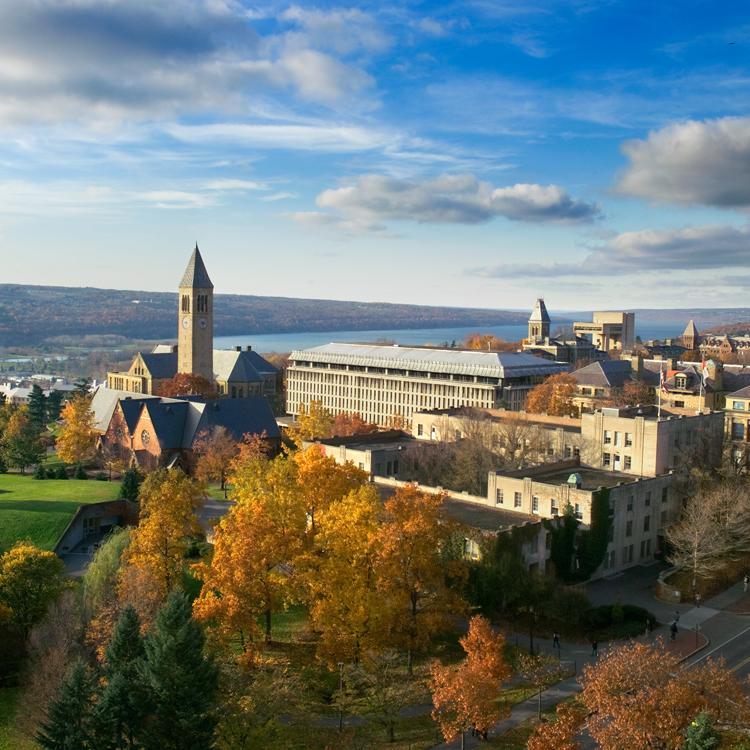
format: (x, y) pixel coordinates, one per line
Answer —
(186, 322)
(202, 322)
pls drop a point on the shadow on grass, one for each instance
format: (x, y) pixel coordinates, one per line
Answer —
(41, 506)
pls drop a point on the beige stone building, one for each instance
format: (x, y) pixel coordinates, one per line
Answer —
(383, 383)
(237, 373)
(609, 330)
(737, 425)
(558, 348)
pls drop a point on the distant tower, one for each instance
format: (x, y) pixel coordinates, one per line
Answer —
(539, 321)
(690, 336)
(196, 323)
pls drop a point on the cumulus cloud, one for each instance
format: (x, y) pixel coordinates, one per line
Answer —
(454, 199)
(686, 249)
(692, 162)
(87, 60)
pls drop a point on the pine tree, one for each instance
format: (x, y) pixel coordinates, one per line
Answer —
(40, 472)
(37, 407)
(181, 679)
(68, 725)
(701, 734)
(54, 405)
(123, 703)
(131, 482)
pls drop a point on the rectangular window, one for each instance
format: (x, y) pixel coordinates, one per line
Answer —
(647, 523)
(553, 509)
(568, 451)
(576, 451)
(516, 499)
(607, 437)
(628, 439)
(606, 459)
(630, 502)
(617, 438)
(629, 528)
(498, 496)
(738, 405)
(738, 430)
(663, 517)
(420, 429)
(627, 462)
(664, 494)
(647, 500)
(577, 510)
(630, 553)
(679, 404)
(535, 504)
(643, 549)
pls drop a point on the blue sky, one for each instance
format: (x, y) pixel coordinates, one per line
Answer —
(476, 153)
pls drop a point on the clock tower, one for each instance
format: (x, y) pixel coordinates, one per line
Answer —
(196, 320)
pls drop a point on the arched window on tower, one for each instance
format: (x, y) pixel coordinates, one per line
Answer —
(185, 303)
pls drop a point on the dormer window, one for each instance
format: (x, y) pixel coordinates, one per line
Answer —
(680, 381)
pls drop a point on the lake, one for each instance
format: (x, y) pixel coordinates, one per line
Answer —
(287, 342)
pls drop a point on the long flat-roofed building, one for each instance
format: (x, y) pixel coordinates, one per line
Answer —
(381, 383)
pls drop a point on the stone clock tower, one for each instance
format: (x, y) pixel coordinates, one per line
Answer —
(196, 322)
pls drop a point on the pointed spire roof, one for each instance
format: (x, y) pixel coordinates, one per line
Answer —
(195, 275)
(690, 330)
(539, 313)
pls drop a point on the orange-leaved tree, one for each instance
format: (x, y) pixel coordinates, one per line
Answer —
(561, 733)
(486, 342)
(351, 424)
(314, 421)
(418, 570)
(323, 481)
(248, 575)
(344, 602)
(187, 384)
(76, 442)
(167, 519)
(639, 696)
(554, 396)
(214, 451)
(465, 695)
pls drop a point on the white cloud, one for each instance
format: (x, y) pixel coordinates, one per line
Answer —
(692, 162)
(234, 184)
(636, 253)
(372, 199)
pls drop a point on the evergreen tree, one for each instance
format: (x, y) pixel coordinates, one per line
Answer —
(37, 407)
(54, 405)
(68, 725)
(131, 482)
(40, 472)
(82, 386)
(80, 473)
(701, 734)
(182, 681)
(123, 703)
(61, 472)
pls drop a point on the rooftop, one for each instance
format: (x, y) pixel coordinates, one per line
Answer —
(196, 276)
(370, 440)
(591, 479)
(488, 364)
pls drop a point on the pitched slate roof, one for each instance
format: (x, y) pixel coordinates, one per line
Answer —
(742, 393)
(105, 400)
(238, 416)
(240, 367)
(168, 418)
(611, 373)
(539, 314)
(690, 330)
(161, 365)
(196, 276)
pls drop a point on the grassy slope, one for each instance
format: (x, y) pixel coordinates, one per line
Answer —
(39, 510)
(10, 739)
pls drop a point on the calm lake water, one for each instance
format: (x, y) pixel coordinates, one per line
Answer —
(287, 342)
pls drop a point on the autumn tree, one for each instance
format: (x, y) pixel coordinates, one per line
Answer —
(76, 442)
(639, 695)
(344, 602)
(314, 421)
(245, 577)
(21, 445)
(541, 671)
(168, 504)
(486, 342)
(345, 424)
(560, 734)
(554, 396)
(30, 580)
(465, 695)
(214, 450)
(635, 392)
(187, 384)
(413, 569)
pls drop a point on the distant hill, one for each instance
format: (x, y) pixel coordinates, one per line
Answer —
(32, 314)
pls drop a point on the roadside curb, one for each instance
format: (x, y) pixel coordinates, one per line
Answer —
(706, 642)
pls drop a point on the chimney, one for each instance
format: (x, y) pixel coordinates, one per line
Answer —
(248, 348)
(238, 348)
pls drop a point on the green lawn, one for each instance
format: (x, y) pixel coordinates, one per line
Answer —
(10, 739)
(39, 510)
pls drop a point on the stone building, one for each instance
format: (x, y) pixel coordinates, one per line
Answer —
(236, 373)
(609, 330)
(558, 348)
(383, 383)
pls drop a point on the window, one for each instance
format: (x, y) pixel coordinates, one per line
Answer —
(738, 405)
(627, 462)
(568, 451)
(361, 466)
(535, 504)
(145, 437)
(617, 438)
(553, 509)
(420, 430)
(629, 528)
(395, 468)
(457, 434)
(679, 404)
(664, 494)
(628, 439)
(606, 459)
(388, 468)
(576, 451)
(577, 510)
(607, 437)
(516, 499)
(643, 548)
(647, 523)
(630, 502)
(647, 500)
(663, 517)
(498, 496)
(738, 430)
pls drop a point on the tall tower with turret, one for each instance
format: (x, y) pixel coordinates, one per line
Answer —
(195, 354)
(539, 321)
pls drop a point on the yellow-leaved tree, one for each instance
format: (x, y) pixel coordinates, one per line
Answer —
(344, 602)
(418, 568)
(554, 396)
(168, 501)
(76, 442)
(248, 575)
(315, 421)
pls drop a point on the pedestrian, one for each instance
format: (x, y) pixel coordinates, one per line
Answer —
(676, 615)
(745, 581)
(594, 648)
(673, 631)
(556, 641)
(648, 628)
(697, 600)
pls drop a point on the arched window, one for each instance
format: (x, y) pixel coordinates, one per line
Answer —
(185, 303)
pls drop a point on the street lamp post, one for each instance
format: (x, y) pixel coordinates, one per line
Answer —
(341, 696)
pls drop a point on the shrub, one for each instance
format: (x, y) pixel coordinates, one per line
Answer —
(39, 472)
(131, 482)
(101, 477)
(3, 465)
(80, 473)
(568, 607)
(61, 472)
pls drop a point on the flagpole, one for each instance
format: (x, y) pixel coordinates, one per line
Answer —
(661, 385)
